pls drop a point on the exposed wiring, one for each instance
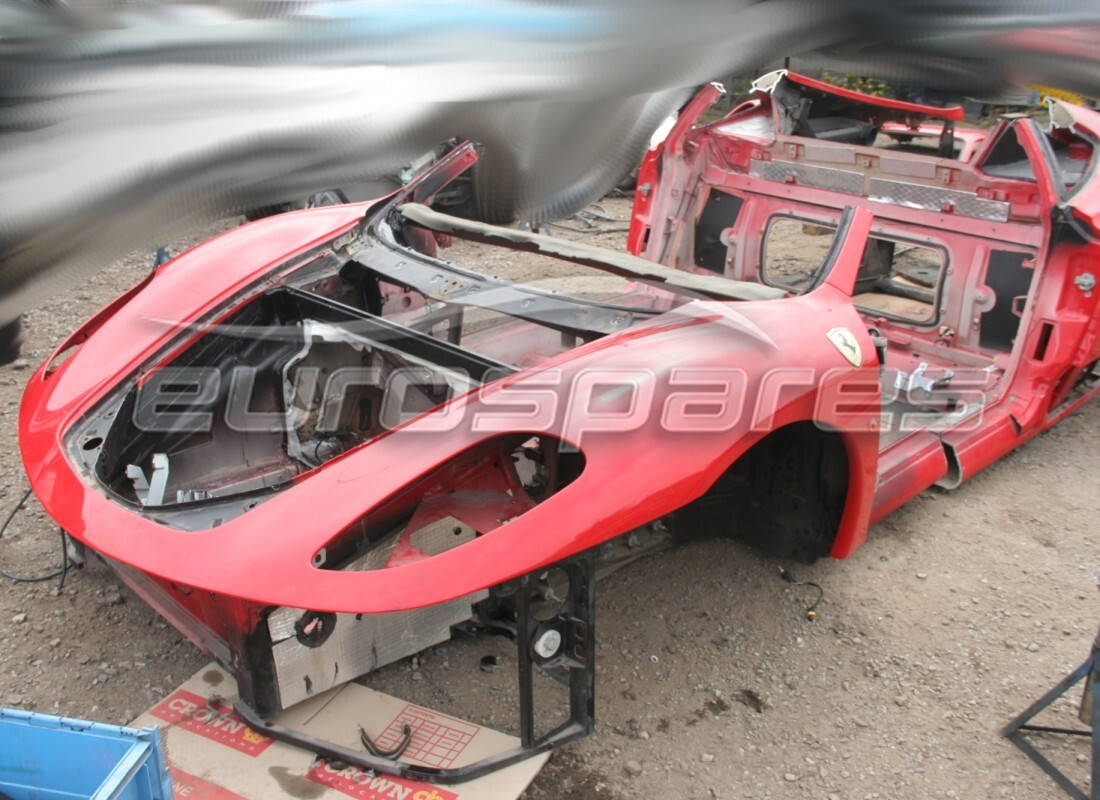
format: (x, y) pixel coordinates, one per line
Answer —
(589, 220)
(60, 573)
(811, 612)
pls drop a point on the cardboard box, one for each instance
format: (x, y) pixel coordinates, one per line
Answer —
(213, 755)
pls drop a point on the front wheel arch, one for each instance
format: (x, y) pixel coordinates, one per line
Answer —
(786, 494)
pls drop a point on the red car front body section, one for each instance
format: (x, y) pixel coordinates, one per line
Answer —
(266, 555)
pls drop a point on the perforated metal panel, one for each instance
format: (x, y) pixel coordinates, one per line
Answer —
(933, 198)
(835, 180)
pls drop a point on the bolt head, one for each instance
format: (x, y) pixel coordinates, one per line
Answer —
(548, 644)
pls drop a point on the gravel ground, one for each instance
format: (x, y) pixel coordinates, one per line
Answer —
(960, 610)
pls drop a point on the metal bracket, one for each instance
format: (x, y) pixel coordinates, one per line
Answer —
(917, 379)
(1090, 713)
(572, 662)
(150, 492)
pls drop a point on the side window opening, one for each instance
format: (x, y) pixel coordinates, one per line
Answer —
(1072, 157)
(794, 252)
(897, 278)
(1008, 159)
(900, 279)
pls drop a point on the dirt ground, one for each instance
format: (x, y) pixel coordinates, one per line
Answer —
(960, 610)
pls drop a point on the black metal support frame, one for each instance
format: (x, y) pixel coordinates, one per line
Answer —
(1016, 729)
(573, 664)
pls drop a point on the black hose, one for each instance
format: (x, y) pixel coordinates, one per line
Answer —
(811, 612)
(60, 573)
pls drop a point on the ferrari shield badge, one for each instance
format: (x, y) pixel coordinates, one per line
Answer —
(845, 341)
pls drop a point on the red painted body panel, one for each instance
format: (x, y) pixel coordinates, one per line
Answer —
(954, 113)
(907, 471)
(1049, 364)
(176, 293)
(844, 389)
(265, 555)
(911, 378)
(648, 171)
(1086, 199)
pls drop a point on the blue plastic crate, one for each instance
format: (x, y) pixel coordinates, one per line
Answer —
(43, 757)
